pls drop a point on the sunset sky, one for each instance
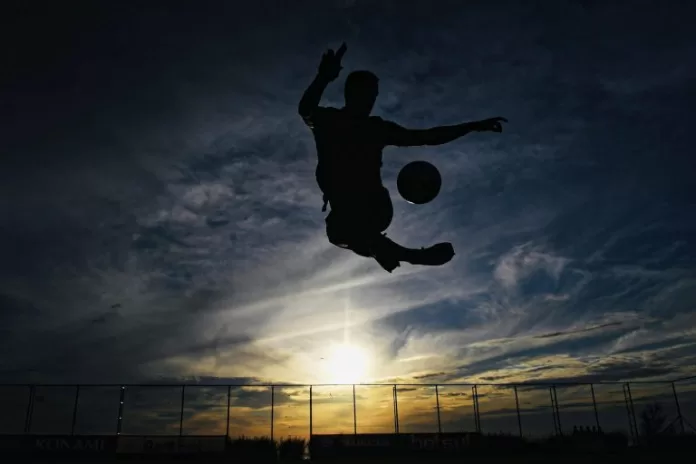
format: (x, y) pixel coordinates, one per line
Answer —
(161, 221)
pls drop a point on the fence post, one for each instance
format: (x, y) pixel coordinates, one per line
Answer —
(311, 430)
(74, 414)
(679, 413)
(121, 399)
(517, 406)
(553, 412)
(181, 413)
(633, 410)
(437, 405)
(396, 410)
(557, 410)
(630, 411)
(227, 425)
(477, 416)
(355, 414)
(594, 406)
(272, 410)
(30, 409)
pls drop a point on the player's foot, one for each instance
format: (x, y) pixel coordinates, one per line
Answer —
(436, 255)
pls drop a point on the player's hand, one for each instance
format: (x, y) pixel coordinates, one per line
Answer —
(490, 125)
(330, 66)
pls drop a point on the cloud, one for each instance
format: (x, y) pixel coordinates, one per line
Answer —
(520, 264)
(577, 331)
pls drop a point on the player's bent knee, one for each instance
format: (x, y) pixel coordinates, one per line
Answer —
(356, 246)
(341, 238)
(356, 242)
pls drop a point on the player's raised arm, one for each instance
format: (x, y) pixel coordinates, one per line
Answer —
(399, 136)
(329, 69)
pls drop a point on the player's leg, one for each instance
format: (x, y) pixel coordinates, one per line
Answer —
(351, 231)
(388, 252)
(360, 240)
(436, 255)
(358, 226)
(356, 223)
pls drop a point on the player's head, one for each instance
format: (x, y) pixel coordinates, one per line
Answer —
(361, 90)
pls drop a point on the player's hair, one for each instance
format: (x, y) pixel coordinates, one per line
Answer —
(359, 81)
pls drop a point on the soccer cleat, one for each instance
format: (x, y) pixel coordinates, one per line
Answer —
(436, 255)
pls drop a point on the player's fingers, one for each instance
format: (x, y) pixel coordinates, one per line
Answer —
(341, 51)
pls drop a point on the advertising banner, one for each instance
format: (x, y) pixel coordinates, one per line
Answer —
(325, 446)
(171, 444)
(68, 444)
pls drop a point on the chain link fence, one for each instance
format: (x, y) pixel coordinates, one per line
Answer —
(281, 411)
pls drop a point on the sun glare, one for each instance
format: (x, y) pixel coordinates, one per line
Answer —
(347, 364)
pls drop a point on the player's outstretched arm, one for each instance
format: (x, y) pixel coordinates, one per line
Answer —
(402, 137)
(329, 69)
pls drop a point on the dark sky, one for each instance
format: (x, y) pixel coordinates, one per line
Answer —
(160, 217)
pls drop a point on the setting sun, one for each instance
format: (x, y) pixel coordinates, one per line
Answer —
(347, 364)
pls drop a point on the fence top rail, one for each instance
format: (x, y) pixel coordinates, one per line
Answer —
(296, 385)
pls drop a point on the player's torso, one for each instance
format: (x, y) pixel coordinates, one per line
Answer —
(349, 151)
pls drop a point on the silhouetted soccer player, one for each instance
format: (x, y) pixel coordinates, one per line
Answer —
(349, 146)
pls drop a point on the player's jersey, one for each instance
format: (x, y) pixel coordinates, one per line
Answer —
(349, 151)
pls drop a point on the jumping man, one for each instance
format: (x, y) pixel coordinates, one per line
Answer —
(349, 146)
